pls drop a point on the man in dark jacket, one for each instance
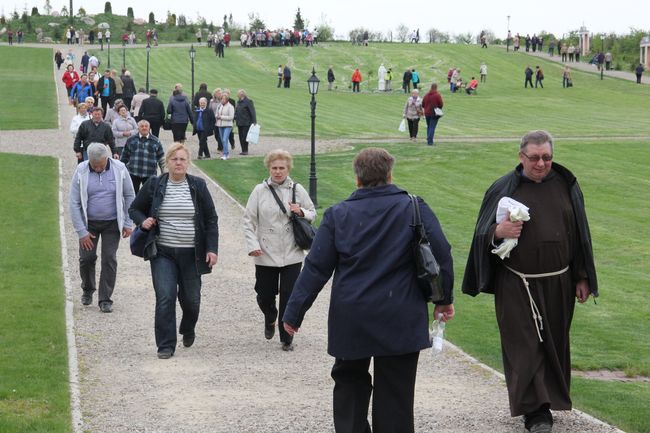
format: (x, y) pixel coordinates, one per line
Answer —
(244, 117)
(406, 81)
(94, 130)
(286, 76)
(550, 267)
(106, 89)
(639, 72)
(202, 93)
(153, 111)
(377, 309)
(529, 76)
(84, 62)
(128, 89)
(330, 78)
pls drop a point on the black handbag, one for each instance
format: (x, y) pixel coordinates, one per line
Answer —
(138, 241)
(167, 124)
(426, 265)
(303, 231)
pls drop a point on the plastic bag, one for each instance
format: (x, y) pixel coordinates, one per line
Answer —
(253, 135)
(402, 126)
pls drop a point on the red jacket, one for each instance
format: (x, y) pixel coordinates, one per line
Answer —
(430, 101)
(356, 76)
(70, 78)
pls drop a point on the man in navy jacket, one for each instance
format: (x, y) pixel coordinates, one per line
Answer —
(376, 309)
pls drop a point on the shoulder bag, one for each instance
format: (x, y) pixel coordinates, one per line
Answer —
(438, 112)
(138, 239)
(426, 265)
(303, 231)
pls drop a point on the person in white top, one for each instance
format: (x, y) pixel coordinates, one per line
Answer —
(82, 114)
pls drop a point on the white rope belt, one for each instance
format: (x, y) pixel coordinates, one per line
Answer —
(537, 317)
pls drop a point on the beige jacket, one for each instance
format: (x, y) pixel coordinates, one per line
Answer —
(226, 115)
(267, 229)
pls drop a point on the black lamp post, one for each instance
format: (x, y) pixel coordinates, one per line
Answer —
(192, 56)
(313, 83)
(123, 57)
(108, 45)
(602, 53)
(508, 37)
(148, 51)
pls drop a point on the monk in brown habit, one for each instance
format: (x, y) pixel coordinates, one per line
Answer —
(535, 288)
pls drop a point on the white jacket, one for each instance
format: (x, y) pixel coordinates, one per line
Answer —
(267, 229)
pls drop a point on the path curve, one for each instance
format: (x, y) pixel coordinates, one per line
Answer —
(232, 379)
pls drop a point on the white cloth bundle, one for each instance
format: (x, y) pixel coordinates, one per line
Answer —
(518, 212)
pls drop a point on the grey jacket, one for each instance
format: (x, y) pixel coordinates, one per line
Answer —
(121, 125)
(78, 202)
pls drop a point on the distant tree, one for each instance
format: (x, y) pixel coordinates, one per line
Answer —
(48, 7)
(489, 36)
(200, 20)
(171, 19)
(35, 11)
(57, 33)
(152, 18)
(181, 21)
(129, 26)
(129, 13)
(402, 32)
(463, 38)
(3, 19)
(325, 32)
(24, 17)
(298, 22)
(108, 9)
(255, 22)
(436, 36)
(64, 11)
(211, 27)
(225, 22)
(15, 16)
(82, 12)
(230, 21)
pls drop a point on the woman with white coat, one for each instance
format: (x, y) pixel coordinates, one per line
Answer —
(225, 116)
(270, 241)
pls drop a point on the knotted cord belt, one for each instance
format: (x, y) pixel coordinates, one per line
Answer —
(537, 317)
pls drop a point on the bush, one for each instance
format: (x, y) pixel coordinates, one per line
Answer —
(325, 33)
(35, 11)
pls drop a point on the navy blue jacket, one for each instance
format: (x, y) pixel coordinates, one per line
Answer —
(376, 307)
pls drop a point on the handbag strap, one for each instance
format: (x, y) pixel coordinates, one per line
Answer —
(277, 199)
(420, 234)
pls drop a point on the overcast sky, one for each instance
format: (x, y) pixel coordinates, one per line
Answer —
(556, 16)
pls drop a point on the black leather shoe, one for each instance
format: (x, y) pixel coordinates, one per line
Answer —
(188, 340)
(269, 330)
(287, 347)
(87, 298)
(165, 353)
(106, 307)
(542, 427)
(243, 153)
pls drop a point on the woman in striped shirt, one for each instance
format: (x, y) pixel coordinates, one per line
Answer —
(177, 210)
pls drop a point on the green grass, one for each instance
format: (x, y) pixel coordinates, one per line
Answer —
(34, 393)
(503, 108)
(452, 178)
(28, 95)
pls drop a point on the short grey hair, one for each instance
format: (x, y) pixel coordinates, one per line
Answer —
(97, 152)
(241, 92)
(536, 137)
(144, 122)
(203, 99)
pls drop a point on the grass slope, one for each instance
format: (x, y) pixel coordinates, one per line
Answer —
(503, 108)
(33, 361)
(28, 95)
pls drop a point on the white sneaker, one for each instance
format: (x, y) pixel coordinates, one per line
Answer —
(224, 157)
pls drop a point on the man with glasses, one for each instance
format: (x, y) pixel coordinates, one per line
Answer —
(536, 286)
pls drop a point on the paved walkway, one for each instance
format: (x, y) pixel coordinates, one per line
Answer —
(233, 380)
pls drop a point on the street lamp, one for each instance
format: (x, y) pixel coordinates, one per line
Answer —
(148, 51)
(192, 56)
(123, 57)
(108, 44)
(602, 54)
(508, 37)
(312, 84)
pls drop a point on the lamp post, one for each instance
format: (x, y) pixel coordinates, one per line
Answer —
(192, 56)
(108, 44)
(508, 37)
(123, 57)
(602, 54)
(312, 84)
(148, 51)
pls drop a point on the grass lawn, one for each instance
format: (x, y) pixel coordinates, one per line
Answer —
(28, 95)
(34, 395)
(452, 178)
(503, 108)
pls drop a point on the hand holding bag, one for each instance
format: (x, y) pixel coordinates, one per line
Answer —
(402, 126)
(303, 231)
(426, 265)
(253, 135)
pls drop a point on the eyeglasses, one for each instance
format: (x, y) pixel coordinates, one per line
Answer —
(536, 158)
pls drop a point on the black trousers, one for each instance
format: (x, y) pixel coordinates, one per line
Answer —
(528, 80)
(413, 127)
(107, 101)
(178, 130)
(137, 182)
(242, 131)
(355, 86)
(269, 281)
(203, 144)
(155, 128)
(392, 391)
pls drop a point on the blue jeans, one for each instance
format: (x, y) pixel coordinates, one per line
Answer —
(224, 132)
(432, 122)
(174, 273)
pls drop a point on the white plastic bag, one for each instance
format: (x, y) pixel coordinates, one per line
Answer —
(253, 136)
(402, 126)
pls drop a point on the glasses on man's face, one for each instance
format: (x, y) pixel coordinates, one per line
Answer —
(536, 158)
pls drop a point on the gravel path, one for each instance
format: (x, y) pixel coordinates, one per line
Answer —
(233, 380)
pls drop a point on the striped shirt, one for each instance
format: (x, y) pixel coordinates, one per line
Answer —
(176, 216)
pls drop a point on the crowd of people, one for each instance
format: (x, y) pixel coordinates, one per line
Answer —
(279, 38)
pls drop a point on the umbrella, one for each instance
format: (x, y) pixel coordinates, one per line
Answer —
(104, 26)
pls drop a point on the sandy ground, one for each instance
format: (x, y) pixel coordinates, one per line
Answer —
(232, 379)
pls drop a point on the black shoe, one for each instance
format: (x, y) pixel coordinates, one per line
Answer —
(87, 298)
(269, 330)
(188, 340)
(542, 427)
(243, 153)
(106, 307)
(165, 353)
(287, 347)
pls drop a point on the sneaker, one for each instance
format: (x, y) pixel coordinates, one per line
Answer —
(188, 340)
(542, 427)
(287, 347)
(269, 330)
(106, 307)
(87, 298)
(224, 157)
(165, 353)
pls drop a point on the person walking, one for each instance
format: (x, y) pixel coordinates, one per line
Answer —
(539, 77)
(377, 310)
(415, 78)
(70, 78)
(406, 81)
(639, 72)
(141, 154)
(430, 102)
(204, 123)
(153, 111)
(483, 71)
(225, 117)
(81, 116)
(128, 89)
(330, 78)
(412, 113)
(178, 214)
(286, 76)
(94, 130)
(270, 241)
(100, 196)
(280, 75)
(245, 116)
(529, 77)
(566, 77)
(123, 127)
(181, 114)
(356, 80)
(136, 103)
(551, 266)
(106, 89)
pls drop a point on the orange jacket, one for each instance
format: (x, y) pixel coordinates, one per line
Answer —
(356, 76)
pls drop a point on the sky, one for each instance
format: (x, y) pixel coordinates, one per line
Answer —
(555, 16)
